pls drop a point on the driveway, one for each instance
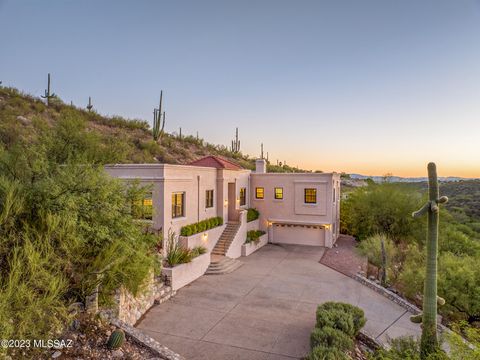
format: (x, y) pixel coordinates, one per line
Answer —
(265, 309)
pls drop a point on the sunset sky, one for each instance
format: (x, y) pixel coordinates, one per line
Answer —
(369, 87)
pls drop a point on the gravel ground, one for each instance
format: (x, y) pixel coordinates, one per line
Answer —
(343, 257)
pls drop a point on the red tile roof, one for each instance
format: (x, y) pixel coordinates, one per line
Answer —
(216, 162)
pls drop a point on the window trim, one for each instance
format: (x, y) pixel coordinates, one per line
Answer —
(174, 206)
(209, 200)
(243, 199)
(275, 193)
(305, 190)
(257, 192)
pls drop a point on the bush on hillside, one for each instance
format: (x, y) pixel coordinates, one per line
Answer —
(65, 228)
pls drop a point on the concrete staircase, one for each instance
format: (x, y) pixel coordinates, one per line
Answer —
(226, 238)
(220, 265)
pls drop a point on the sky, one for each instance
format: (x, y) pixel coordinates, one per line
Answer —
(371, 86)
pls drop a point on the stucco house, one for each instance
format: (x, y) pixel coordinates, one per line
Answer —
(295, 208)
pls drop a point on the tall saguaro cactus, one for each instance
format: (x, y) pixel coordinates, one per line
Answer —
(236, 143)
(48, 95)
(89, 106)
(429, 340)
(158, 120)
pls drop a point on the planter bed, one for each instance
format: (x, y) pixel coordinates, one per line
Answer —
(251, 247)
(183, 274)
(253, 225)
(206, 239)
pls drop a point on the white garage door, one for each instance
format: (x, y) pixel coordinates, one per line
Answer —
(298, 234)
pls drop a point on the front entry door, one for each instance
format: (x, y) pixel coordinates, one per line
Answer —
(232, 213)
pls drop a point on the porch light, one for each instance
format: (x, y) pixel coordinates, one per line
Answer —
(226, 202)
(327, 226)
(205, 237)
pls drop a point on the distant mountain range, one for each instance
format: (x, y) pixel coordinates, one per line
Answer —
(380, 179)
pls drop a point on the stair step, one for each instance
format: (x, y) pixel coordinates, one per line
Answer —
(225, 265)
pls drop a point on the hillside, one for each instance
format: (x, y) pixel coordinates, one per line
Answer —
(126, 141)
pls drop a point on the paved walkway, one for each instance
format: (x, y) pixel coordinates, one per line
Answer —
(266, 309)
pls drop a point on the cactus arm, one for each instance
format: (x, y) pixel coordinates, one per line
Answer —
(442, 200)
(422, 210)
(417, 319)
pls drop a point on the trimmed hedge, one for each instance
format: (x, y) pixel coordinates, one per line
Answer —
(330, 337)
(337, 326)
(358, 316)
(252, 214)
(201, 226)
(254, 236)
(326, 353)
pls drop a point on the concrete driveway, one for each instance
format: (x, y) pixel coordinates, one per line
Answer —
(266, 309)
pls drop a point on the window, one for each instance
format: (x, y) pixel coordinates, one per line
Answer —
(243, 196)
(278, 193)
(259, 192)
(209, 198)
(143, 208)
(178, 204)
(310, 196)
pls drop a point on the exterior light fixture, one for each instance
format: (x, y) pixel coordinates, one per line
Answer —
(205, 237)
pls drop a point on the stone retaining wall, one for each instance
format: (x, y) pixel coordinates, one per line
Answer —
(162, 351)
(129, 308)
(413, 309)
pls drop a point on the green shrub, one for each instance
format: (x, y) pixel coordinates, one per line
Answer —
(337, 319)
(201, 226)
(330, 337)
(326, 353)
(358, 316)
(252, 214)
(254, 236)
(198, 250)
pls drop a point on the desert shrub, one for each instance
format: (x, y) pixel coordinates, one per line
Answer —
(62, 221)
(380, 208)
(358, 315)
(254, 236)
(330, 337)
(459, 348)
(177, 254)
(198, 250)
(405, 348)
(252, 214)
(326, 353)
(337, 319)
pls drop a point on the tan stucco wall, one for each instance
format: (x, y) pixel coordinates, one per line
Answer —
(292, 209)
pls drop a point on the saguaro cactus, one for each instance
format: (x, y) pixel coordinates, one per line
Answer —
(236, 143)
(429, 340)
(158, 120)
(89, 106)
(261, 153)
(48, 95)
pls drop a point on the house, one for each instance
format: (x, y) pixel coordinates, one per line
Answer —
(295, 208)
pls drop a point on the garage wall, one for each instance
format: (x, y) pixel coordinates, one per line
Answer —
(299, 235)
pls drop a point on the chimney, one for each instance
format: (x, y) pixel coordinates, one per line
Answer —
(260, 166)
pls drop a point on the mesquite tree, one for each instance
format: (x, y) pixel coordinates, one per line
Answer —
(429, 340)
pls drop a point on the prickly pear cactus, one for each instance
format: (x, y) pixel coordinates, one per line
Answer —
(429, 340)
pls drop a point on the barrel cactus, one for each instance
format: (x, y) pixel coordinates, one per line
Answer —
(116, 339)
(429, 340)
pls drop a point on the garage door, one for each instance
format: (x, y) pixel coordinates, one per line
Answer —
(298, 234)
